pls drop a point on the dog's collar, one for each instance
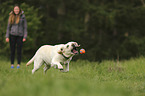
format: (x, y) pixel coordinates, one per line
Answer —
(65, 56)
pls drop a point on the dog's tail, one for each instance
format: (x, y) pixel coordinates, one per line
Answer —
(29, 62)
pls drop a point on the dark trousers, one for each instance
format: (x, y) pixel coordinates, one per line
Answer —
(16, 41)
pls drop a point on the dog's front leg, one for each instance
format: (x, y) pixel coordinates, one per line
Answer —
(59, 66)
(66, 69)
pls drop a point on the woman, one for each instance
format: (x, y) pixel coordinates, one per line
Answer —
(16, 33)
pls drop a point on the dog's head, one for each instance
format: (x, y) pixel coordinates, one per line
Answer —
(70, 48)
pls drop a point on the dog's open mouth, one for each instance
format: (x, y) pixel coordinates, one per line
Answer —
(74, 50)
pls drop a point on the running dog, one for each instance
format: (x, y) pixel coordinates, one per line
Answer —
(54, 56)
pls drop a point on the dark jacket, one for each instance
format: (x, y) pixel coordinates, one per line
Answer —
(19, 29)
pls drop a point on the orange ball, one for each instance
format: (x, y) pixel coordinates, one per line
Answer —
(82, 51)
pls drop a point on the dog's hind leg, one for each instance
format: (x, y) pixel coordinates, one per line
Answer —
(37, 65)
(46, 68)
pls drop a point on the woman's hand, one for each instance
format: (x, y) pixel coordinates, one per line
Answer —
(7, 39)
(24, 39)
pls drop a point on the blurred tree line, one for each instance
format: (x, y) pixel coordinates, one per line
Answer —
(107, 29)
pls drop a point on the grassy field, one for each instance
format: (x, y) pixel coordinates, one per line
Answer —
(108, 78)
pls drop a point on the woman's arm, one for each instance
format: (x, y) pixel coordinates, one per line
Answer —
(25, 28)
(8, 32)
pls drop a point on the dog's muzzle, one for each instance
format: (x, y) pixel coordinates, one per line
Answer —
(75, 49)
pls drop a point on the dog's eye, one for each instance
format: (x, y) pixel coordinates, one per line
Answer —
(67, 46)
(73, 45)
(61, 49)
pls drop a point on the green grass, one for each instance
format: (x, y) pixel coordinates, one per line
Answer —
(108, 78)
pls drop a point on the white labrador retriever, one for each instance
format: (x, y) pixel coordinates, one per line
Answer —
(54, 56)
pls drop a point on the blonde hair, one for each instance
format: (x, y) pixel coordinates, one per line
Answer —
(14, 19)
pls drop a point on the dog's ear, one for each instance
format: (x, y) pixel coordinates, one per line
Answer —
(76, 45)
(60, 51)
(79, 45)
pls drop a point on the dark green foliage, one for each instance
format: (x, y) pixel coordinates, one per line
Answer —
(106, 29)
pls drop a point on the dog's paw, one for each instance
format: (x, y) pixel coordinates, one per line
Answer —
(63, 71)
(60, 67)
